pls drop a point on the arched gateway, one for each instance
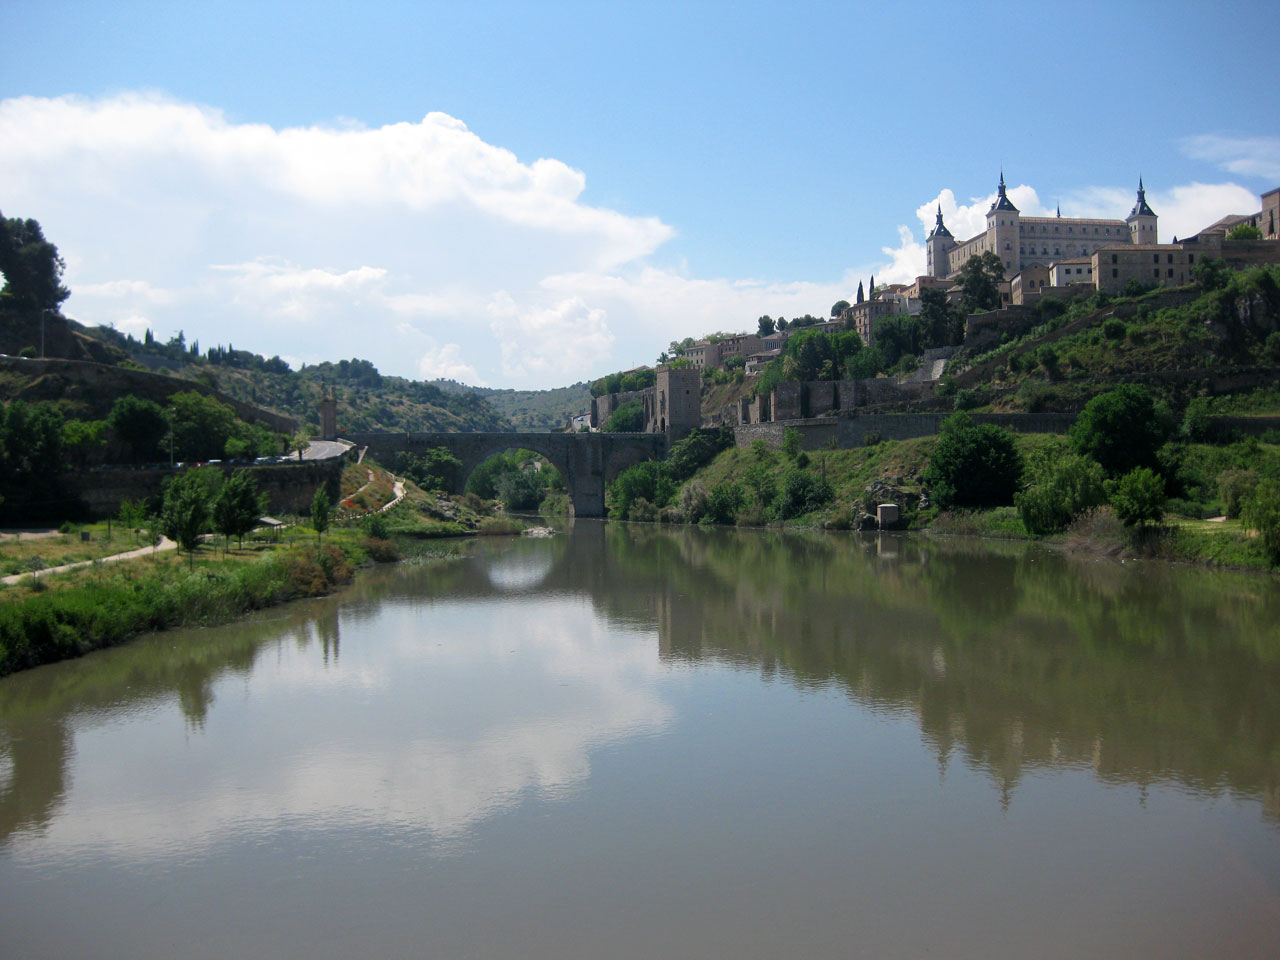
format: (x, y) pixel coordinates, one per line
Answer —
(587, 461)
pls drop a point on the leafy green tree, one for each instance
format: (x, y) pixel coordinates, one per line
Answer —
(972, 466)
(628, 418)
(791, 442)
(1244, 231)
(942, 326)
(898, 337)
(1211, 274)
(980, 279)
(1121, 429)
(724, 500)
(184, 515)
(1138, 497)
(31, 436)
(765, 326)
(31, 266)
(140, 424)
(648, 479)
(1063, 485)
(865, 364)
(237, 507)
(839, 307)
(132, 515)
(299, 442)
(1261, 512)
(696, 450)
(201, 426)
(521, 490)
(84, 441)
(320, 507)
(434, 469)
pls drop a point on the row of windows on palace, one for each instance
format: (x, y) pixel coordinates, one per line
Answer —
(1023, 228)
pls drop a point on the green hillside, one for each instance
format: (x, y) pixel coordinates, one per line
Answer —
(531, 409)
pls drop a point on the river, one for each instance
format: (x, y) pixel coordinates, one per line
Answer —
(633, 741)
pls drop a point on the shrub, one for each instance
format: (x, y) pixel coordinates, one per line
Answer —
(1271, 348)
(1261, 512)
(693, 501)
(642, 511)
(1235, 485)
(758, 480)
(973, 466)
(791, 442)
(377, 528)
(381, 550)
(946, 386)
(802, 492)
(648, 479)
(871, 438)
(723, 502)
(1047, 357)
(1138, 497)
(1063, 486)
(1114, 329)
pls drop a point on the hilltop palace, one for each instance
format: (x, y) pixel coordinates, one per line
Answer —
(1021, 241)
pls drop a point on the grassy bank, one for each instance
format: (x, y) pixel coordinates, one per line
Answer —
(65, 615)
(71, 614)
(892, 471)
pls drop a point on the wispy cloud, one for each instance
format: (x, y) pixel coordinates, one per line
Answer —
(1244, 156)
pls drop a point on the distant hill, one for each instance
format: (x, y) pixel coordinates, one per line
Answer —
(531, 409)
(367, 400)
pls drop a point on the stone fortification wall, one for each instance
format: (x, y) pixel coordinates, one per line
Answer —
(289, 487)
(852, 431)
(108, 380)
(602, 408)
(827, 398)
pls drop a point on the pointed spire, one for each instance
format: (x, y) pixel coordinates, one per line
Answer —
(1141, 208)
(1059, 211)
(1002, 198)
(940, 228)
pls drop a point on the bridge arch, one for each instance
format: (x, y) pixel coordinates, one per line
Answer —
(587, 461)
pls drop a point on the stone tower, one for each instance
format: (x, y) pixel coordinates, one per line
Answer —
(677, 402)
(1142, 219)
(1002, 230)
(939, 242)
(328, 414)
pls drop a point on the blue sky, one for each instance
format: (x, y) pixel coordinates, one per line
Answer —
(594, 179)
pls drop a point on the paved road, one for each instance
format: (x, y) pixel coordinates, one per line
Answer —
(324, 450)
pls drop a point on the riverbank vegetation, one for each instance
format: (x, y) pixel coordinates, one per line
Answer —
(1129, 478)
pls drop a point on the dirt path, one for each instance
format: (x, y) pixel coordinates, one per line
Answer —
(165, 544)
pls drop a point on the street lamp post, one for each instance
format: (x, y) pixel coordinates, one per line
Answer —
(42, 313)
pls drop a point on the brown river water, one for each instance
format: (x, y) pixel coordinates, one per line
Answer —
(632, 741)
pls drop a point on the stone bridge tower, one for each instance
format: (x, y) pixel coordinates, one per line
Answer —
(328, 414)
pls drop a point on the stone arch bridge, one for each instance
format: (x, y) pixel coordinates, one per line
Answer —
(587, 461)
